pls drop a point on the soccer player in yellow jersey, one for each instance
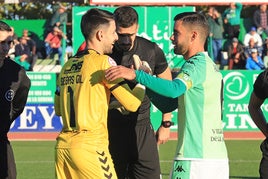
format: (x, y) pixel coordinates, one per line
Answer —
(82, 99)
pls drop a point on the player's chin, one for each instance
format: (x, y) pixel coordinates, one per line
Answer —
(125, 47)
(108, 51)
(176, 50)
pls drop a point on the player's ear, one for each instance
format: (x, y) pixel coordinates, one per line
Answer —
(99, 35)
(194, 35)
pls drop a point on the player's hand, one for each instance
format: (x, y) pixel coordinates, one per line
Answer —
(141, 65)
(162, 135)
(119, 71)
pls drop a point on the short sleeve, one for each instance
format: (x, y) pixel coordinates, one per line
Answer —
(187, 74)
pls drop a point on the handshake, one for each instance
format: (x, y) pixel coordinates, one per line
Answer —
(138, 65)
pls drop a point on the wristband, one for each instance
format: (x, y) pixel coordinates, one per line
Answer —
(167, 124)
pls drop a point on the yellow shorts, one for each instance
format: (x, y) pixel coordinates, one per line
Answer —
(77, 157)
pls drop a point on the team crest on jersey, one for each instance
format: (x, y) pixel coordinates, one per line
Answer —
(112, 62)
(186, 79)
(9, 95)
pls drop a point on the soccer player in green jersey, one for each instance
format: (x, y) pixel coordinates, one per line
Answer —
(197, 93)
(82, 100)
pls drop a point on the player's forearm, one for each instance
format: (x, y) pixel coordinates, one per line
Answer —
(131, 100)
(164, 104)
(161, 86)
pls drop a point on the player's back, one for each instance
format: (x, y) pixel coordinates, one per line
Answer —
(83, 95)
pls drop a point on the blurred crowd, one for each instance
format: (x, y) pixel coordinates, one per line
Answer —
(24, 48)
(225, 45)
(228, 48)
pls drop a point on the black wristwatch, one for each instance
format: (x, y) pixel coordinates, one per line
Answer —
(167, 124)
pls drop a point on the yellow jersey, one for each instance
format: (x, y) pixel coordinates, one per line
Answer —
(83, 94)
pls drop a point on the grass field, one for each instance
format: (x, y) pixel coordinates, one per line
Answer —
(35, 159)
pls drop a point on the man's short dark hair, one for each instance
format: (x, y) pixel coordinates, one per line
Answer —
(194, 19)
(92, 19)
(4, 26)
(125, 16)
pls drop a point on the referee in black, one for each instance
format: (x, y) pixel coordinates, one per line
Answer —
(14, 90)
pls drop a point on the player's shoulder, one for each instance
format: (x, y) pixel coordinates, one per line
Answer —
(91, 57)
(263, 77)
(13, 71)
(12, 65)
(144, 41)
(146, 46)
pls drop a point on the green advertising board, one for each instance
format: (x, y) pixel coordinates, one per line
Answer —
(43, 87)
(155, 24)
(238, 85)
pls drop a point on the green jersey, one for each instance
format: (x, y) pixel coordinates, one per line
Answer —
(198, 87)
(200, 128)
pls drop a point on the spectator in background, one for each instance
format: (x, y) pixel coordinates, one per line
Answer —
(14, 36)
(53, 43)
(260, 19)
(254, 62)
(216, 33)
(265, 52)
(23, 54)
(59, 18)
(236, 56)
(69, 49)
(32, 45)
(252, 45)
(232, 19)
(257, 98)
(14, 42)
(253, 34)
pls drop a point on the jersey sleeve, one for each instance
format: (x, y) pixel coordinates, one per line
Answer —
(188, 75)
(161, 86)
(21, 95)
(164, 104)
(130, 99)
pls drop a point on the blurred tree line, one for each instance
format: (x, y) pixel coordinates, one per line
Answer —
(45, 10)
(33, 10)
